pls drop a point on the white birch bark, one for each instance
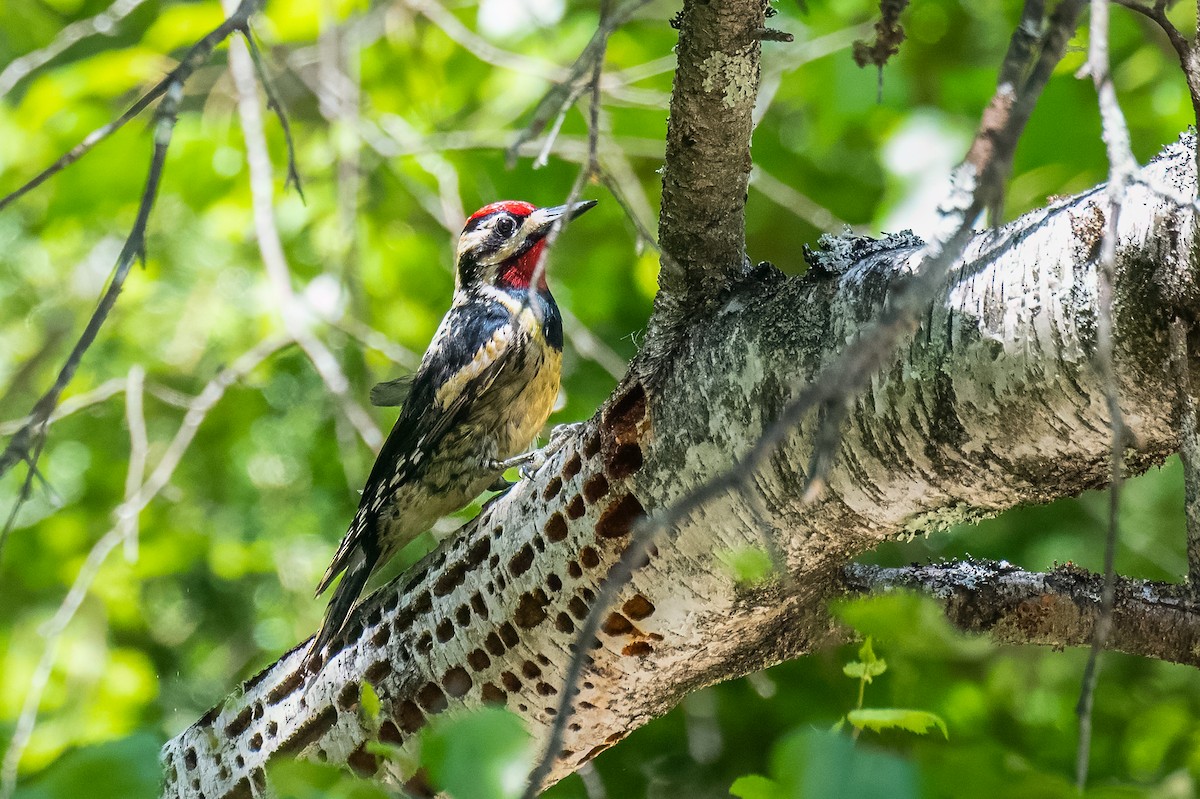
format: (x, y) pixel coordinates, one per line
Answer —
(993, 402)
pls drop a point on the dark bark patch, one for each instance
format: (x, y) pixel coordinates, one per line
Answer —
(578, 608)
(553, 582)
(423, 603)
(508, 635)
(589, 558)
(556, 528)
(478, 659)
(530, 670)
(462, 616)
(552, 488)
(389, 733)
(362, 762)
(638, 607)
(431, 698)
(616, 624)
(623, 461)
(457, 682)
(546, 689)
(637, 649)
(623, 414)
(572, 467)
(239, 724)
(591, 445)
(478, 605)
(510, 682)
(492, 695)
(285, 689)
(381, 636)
(189, 759)
(479, 552)
(563, 623)
(347, 698)
(494, 644)
(531, 608)
(575, 508)
(618, 518)
(595, 487)
(410, 716)
(574, 570)
(444, 630)
(520, 562)
(310, 731)
(377, 671)
(451, 578)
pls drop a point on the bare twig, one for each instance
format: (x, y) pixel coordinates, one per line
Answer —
(1121, 168)
(271, 248)
(102, 392)
(26, 445)
(273, 104)
(192, 60)
(139, 445)
(135, 502)
(565, 93)
(103, 24)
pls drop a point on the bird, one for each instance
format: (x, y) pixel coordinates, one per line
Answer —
(482, 393)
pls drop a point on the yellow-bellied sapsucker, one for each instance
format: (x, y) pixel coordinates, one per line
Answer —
(482, 393)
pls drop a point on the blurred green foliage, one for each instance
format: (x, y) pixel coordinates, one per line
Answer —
(227, 555)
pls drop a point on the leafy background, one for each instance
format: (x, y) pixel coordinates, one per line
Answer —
(229, 551)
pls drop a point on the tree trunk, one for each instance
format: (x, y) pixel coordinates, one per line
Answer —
(991, 403)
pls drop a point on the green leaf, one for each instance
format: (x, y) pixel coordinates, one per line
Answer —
(756, 786)
(127, 767)
(868, 667)
(820, 765)
(368, 700)
(749, 566)
(485, 754)
(878, 719)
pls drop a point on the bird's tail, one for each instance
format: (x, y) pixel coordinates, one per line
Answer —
(358, 570)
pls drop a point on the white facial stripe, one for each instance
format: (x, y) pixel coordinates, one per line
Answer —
(475, 239)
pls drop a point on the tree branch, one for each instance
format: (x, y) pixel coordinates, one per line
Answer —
(1058, 608)
(990, 403)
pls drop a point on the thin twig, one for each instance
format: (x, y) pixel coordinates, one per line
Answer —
(79, 402)
(139, 445)
(133, 505)
(192, 60)
(270, 247)
(564, 93)
(274, 105)
(28, 442)
(26, 445)
(1120, 172)
(103, 24)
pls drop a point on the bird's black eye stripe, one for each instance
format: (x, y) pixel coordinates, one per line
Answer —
(506, 226)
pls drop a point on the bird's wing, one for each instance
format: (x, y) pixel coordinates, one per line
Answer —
(471, 348)
(392, 393)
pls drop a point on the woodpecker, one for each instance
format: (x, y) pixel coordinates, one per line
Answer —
(483, 391)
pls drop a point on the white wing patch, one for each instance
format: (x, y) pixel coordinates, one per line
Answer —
(485, 356)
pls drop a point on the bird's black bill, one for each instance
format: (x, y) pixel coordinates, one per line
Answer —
(544, 218)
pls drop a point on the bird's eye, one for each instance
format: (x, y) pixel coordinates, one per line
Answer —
(505, 226)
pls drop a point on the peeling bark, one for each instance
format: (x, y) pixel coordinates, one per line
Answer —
(993, 402)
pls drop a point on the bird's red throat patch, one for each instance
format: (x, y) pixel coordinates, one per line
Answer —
(517, 273)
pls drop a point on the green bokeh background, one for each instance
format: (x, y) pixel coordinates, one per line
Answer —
(229, 552)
